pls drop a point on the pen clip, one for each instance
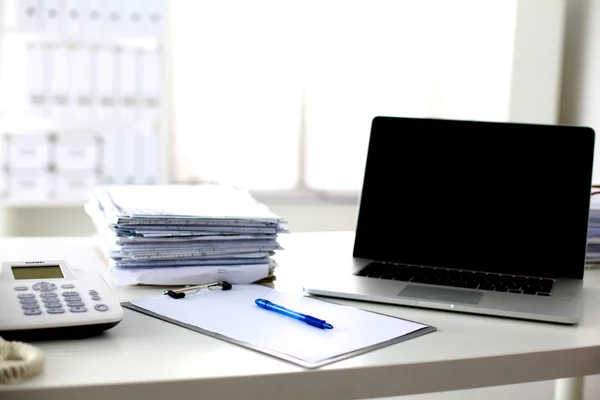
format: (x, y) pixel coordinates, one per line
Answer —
(180, 293)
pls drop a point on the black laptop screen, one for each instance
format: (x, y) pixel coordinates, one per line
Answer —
(500, 197)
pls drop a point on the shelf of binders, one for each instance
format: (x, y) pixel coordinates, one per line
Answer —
(81, 99)
(92, 80)
(107, 18)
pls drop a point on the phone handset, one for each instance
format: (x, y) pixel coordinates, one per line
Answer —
(19, 361)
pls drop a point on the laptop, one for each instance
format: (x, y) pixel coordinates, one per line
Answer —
(478, 217)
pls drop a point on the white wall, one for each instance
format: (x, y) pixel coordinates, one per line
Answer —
(536, 66)
(580, 100)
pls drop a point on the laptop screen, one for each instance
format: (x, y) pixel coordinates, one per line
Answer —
(498, 197)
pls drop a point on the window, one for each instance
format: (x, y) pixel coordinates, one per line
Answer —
(279, 95)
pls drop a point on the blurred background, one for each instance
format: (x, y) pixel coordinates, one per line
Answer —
(274, 96)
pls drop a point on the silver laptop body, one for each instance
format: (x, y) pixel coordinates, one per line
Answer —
(479, 217)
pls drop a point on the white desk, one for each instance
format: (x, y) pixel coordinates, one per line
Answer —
(145, 358)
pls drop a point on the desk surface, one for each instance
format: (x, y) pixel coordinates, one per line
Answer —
(143, 356)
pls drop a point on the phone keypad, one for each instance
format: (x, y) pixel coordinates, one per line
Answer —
(44, 286)
(55, 302)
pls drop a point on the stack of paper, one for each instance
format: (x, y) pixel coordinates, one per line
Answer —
(593, 247)
(184, 234)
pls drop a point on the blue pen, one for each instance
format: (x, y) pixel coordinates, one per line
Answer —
(267, 305)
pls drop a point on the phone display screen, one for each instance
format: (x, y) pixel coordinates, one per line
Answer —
(42, 272)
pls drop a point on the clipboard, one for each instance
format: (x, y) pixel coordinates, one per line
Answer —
(233, 317)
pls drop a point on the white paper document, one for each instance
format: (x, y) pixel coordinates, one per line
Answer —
(233, 315)
(181, 202)
(234, 274)
(151, 232)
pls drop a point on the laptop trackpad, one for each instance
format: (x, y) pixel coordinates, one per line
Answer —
(441, 294)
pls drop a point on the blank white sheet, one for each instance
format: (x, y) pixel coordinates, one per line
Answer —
(235, 315)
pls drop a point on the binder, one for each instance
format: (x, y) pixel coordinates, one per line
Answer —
(81, 93)
(52, 15)
(132, 17)
(152, 18)
(59, 86)
(128, 88)
(150, 83)
(113, 23)
(29, 15)
(37, 66)
(233, 316)
(105, 81)
(94, 18)
(74, 13)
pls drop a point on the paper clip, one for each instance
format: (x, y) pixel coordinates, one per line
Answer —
(180, 293)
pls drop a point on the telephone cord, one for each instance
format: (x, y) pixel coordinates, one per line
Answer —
(19, 361)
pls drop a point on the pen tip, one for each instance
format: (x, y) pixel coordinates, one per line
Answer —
(327, 325)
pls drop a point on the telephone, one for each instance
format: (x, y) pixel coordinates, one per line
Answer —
(45, 300)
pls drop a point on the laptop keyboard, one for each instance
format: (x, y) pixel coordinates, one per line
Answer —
(458, 278)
